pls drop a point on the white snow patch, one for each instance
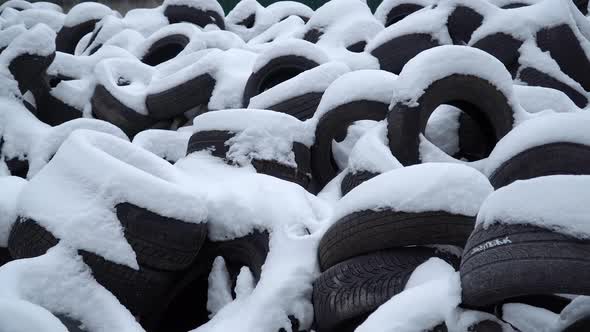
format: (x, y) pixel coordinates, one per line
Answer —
(11, 189)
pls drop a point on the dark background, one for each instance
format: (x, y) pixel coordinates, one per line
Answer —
(124, 5)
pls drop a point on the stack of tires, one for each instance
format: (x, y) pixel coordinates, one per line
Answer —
(430, 145)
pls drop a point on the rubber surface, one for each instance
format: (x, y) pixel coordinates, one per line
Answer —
(202, 18)
(535, 77)
(367, 231)
(276, 71)
(302, 107)
(160, 242)
(509, 261)
(165, 49)
(50, 109)
(352, 180)
(504, 47)
(68, 37)
(400, 12)
(181, 98)
(345, 294)
(106, 107)
(480, 99)
(395, 53)
(26, 69)
(461, 24)
(560, 158)
(334, 126)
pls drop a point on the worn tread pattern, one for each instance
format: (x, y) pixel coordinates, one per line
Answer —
(367, 231)
(352, 180)
(509, 261)
(559, 158)
(160, 242)
(356, 287)
(302, 107)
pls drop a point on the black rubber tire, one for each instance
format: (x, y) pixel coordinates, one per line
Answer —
(395, 53)
(347, 293)
(276, 71)
(472, 141)
(71, 324)
(559, 158)
(549, 302)
(27, 68)
(461, 24)
(302, 107)
(509, 261)
(5, 256)
(504, 47)
(313, 35)
(202, 18)
(352, 180)
(400, 12)
(248, 22)
(181, 98)
(334, 126)
(581, 325)
(515, 5)
(535, 77)
(215, 140)
(50, 109)
(184, 307)
(68, 37)
(106, 107)
(367, 231)
(136, 289)
(160, 242)
(165, 49)
(564, 47)
(480, 99)
(582, 6)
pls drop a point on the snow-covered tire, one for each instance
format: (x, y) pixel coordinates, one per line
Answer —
(302, 107)
(345, 294)
(214, 140)
(164, 49)
(368, 231)
(352, 179)
(134, 288)
(186, 298)
(395, 53)
(461, 24)
(108, 108)
(51, 109)
(548, 159)
(68, 37)
(400, 12)
(535, 77)
(274, 72)
(27, 68)
(202, 18)
(181, 98)
(508, 261)
(582, 6)
(17, 167)
(333, 125)
(71, 324)
(160, 242)
(565, 48)
(504, 47)
(477, 97)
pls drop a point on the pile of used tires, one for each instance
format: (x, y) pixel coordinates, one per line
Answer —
(425, 167)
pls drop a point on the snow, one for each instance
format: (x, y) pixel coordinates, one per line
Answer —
(74, 195)
(36, 41)
(219, 289)
(127, 80)
(371, 152)
(75, 93)
(334, 11)
(196, 4)
(439, 62)
(146, 21)
(452, 188)
(47, 6)
(83, 66)
(561, 127)
(243, 10)
(428, 271)
(371, 85)
(167, 144)
(432, 303)
(386, 6)
(528, 318)
(61, 283)
(442, 129)
(245, 283)
(8, 34)
(291, 27)
(342, 150)
(19, 129)
(11, 189)
(314, 80)
(294, 47)
(576, 310)
(127, 39)
(31, 17)
(259, 134)
(86, 11)
(536, 99)
(186, 29)
(556, 203)
(21, 4)
(47, 145)
(23, 316)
